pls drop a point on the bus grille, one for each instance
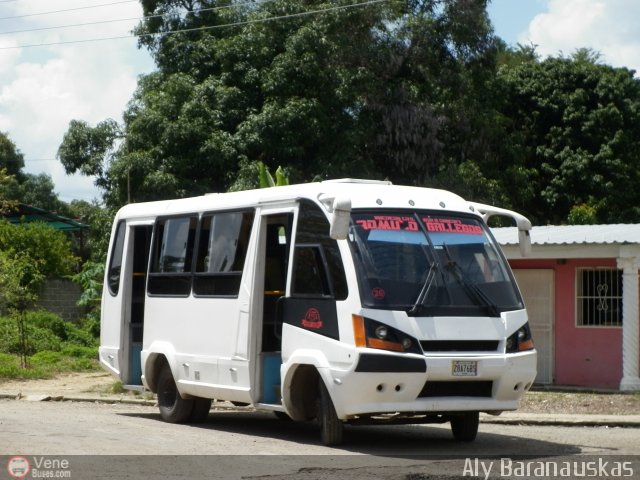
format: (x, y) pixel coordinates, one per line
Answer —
(457, 389)
(459, 345)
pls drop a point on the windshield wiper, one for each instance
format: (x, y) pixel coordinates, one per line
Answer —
(424, 291)
(471, 288)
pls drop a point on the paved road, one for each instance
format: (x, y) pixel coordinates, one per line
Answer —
(251, 445)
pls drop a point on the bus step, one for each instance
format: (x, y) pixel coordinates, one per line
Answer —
(135, 388)
(274, 407)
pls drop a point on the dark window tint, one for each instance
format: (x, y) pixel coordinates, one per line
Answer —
(173, 252)
(310, 274)
(315, 247)
(115, 263)
(222, 250)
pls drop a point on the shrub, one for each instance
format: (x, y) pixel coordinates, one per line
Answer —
(38, 339)
(65, 331)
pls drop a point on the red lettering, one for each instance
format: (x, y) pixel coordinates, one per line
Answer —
(447, 225)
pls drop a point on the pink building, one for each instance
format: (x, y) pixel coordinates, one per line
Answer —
(580, 286)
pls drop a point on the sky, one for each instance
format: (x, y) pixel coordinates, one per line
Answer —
(51, 75)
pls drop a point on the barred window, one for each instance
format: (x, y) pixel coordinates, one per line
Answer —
(599, 297)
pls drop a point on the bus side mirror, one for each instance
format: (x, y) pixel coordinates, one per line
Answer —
(524, 240)
(340, 218)
(522, 222)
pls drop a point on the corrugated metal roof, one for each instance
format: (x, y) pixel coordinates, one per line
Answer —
(616, 234)
(26, 214)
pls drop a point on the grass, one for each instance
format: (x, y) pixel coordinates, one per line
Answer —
(54, 347)
(45, 364)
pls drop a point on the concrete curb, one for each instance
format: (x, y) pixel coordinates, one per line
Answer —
(569, 420)
(507, 418)
(74, 398)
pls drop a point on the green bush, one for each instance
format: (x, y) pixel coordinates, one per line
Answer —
(65, 331)
(38, 339)
(45, 332)
(48, 321)
(77, 351)
(46, 358)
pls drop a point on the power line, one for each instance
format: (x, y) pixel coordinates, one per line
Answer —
(86, 7)
(200, 29)
(199, 10)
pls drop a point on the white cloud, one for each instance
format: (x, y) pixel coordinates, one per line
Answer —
(610, 27)
(43, 88)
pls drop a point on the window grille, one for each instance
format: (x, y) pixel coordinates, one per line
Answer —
(599, 297)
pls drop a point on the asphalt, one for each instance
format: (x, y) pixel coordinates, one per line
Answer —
(506, 418)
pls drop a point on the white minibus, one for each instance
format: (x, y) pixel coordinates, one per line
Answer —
(343, 302)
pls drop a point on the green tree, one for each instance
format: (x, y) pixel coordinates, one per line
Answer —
(19, 187)
(20, 281)
(88, 150)
(48, 248)
(10, 157)
(99, 218)
(388, 89)
(571, 137)
(39, 191)
(8, 188)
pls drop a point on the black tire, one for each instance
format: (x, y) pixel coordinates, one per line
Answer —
(201, 408)
(331, 427)
(173, 408)
(465, 426)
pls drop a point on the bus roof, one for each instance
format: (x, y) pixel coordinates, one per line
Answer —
(361, 193)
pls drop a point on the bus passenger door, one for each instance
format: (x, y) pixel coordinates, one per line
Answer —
(141, 245)
(122, 323)
(275, 248)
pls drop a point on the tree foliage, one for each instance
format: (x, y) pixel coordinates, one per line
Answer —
(48, 249)
(11, 160)
(417, 91)
(573, 130)
(325, 89)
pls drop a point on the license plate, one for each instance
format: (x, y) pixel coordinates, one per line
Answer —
(464, 368)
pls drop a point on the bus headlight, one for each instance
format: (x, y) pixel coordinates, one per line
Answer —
(373, 334)
(520, 340)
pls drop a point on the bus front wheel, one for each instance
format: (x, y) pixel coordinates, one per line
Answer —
(465, 426)
(331, 427)
(173, 408)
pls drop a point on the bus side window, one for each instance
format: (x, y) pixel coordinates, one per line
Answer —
(315, 246)
(170, 272)
(222, 249)
(115, 263)
(310, 272)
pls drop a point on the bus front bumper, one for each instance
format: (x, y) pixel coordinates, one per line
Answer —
(390, 383)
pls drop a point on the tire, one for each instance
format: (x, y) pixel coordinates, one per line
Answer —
(465, 426)
(201, 408)
(173, 408)
(331, 427)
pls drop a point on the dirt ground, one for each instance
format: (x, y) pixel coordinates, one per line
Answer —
(102, 385)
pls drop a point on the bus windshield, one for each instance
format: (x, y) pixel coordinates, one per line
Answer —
(430, 264)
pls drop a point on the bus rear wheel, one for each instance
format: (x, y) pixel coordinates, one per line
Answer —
(173, 408)
(331, 427)
(465, 426)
